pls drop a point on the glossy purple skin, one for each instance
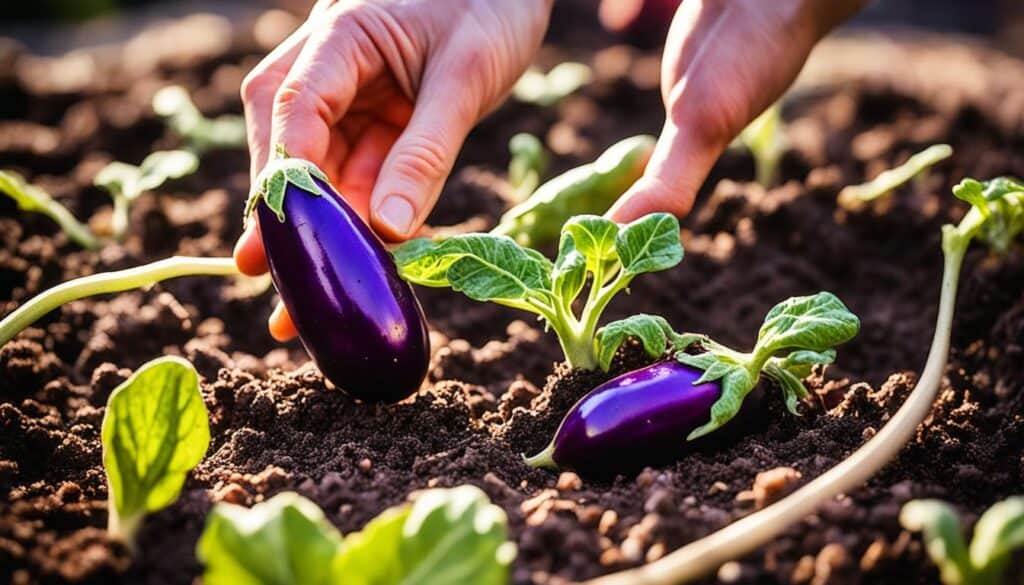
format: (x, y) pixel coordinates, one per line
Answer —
(357, 318)
(638, 418)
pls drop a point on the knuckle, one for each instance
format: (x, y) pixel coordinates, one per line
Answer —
(423, 159)
(259, 85)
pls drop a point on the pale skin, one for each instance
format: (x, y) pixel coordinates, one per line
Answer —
(381, 94)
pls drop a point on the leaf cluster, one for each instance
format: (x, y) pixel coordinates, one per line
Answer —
(446, 536)
(796, 335)
(592, 249)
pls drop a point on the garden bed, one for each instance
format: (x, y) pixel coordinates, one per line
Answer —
(494, 389)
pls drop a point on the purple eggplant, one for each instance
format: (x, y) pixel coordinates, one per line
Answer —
(638, 418)
(359, 321)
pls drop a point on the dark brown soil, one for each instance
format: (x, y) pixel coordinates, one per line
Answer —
(495, 390)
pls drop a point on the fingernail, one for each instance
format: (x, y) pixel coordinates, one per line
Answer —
(397, 213)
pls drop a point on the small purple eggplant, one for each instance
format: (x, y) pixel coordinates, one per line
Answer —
(651, 414)
(359, 321)
(638, 418)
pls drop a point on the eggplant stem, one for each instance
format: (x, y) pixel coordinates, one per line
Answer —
(544, 458)
(745, 535)
(109, 282)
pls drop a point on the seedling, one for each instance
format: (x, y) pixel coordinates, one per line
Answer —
(201, 134)
(34, 199)
(487, 267)
(154, 432)
(588, 189)
(527, 165)
(999, 532)
(642, 415)
(766, 141)
(126, 182)
(855, 197)
(547, 89)
(996, 218)
(446, 536)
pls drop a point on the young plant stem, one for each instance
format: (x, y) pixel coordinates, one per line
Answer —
(742, 537)
(119, 217)
(109, 282)
(76, 230)
(124, 528)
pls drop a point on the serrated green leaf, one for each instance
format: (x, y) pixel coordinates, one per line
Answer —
(447, 536)
(998, 533)
(942, 538)
(155, 431)
(649, 244)
(816, 323)
(481, 266)
(283, 541)
(999, 204)
(653, 331)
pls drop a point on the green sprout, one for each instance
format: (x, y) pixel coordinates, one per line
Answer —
(32, 198)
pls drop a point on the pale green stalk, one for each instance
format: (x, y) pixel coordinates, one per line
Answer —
(109, 282)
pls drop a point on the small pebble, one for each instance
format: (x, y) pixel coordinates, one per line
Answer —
(568, 481)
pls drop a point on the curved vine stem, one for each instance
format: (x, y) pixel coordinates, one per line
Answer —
(743, 536)
(109, 282)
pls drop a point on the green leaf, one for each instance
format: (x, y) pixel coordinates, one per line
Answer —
(283, 541)
(200, 133)
(154, 432)
(29, 197)
(594, 237)
(162, 166)
(156, 169)
(972, 192)
(734, 378)
(998, 533)
(809, 326)
(481, 266)
(649, 244)
(793, 389)
(570, 271)
(548, 89)
(447, 536)
(816, 323)
(997, 216)
(271, 185)
(653, 331)
(855, 196)
(942, 538)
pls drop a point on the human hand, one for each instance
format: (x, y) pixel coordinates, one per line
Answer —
(725, 62)
(381, 94)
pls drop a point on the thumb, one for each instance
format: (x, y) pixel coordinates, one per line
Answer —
(415, 169)
(679, 164)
